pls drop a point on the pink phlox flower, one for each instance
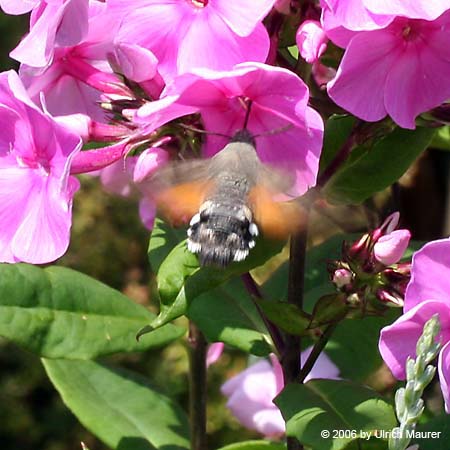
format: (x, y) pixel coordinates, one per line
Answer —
(53, 24)
(187, 34)
(367, 15)
(290, 132)
(77, 76)
(251, 392)
(402, 71)
(36, 190)
(311, 40)
(427, 294)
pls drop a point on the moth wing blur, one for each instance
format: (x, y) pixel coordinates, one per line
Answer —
(182, 201)
(178, 189)
(276, 219)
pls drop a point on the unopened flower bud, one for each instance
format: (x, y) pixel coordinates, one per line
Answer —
(311, 40)
(359, 250)
(342, 277)
(354, 299)
(390, 298)
(149, 161)
(391, 247)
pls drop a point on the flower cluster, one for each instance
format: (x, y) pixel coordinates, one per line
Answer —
(137, 74)
(370, 267)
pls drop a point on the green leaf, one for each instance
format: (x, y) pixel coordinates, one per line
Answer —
(181, 280)
(377, 167)
(288, 317)
(255, 445)
(163, 239)
(121, 408)
(332, 405)
(441, 139)
(337, 131)
(330, 308)
(317, 278)
(58, 312)
(440, 427)
(228, 314)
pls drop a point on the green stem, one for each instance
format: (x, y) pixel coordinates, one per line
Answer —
(290, 360)
(197, 387)
(316, 351)
(255, 293)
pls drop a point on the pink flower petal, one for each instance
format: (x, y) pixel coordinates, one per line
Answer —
(44, 33)
(73, 26)
(398, 341)
(44, 233)
(334, 30)
(353, 15)
(269, 422)
(430, 278)
(210, 54)
(12, 201)
(372, 54)
(414, 9)
(17, 7)
(323, 367)
(242, 17)
(444, 374)
(147, 213)
(117, 177)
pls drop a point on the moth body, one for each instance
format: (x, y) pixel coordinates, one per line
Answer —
(223, 230)
(227, 199)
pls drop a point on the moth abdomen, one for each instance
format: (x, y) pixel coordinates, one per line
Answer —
(221, 233)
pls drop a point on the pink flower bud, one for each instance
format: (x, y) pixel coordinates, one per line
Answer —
(311, 40)
(390, 298)
(283, 6)
(390, 247)
(148, 162)
(137, 63)
(215, 351)
(342, 277)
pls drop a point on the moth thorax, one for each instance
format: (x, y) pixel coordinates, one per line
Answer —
(221, 233)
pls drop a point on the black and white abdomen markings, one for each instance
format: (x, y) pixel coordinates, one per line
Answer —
(223, 230)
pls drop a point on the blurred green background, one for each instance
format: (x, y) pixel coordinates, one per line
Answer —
(109, 243)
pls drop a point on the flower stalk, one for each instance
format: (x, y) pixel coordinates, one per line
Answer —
(197, 387)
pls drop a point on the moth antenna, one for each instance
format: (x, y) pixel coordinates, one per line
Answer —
(275, 131)
(198, 130)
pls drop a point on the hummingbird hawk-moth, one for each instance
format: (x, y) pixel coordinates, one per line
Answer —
(226, 200)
